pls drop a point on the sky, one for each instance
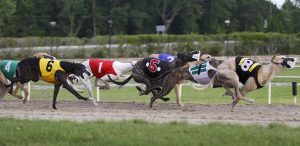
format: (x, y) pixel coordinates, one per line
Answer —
(278, 2)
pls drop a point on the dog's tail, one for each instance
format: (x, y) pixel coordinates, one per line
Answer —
(200, 88)
(120, 83)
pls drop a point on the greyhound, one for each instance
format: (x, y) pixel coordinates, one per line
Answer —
(51, 71)
(44, 55)
(101, 68)
(170, 58)
(8, 71)
(199, 73)
(251, 74)
(150, 71)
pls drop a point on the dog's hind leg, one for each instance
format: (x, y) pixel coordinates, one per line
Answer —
(141, 79)
(178, 89)
(229, 78)
(105, 86)
(168, 84)
(26, 92)
(14, 93)
(249, 86)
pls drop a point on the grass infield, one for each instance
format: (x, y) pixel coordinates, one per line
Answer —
(141, 133)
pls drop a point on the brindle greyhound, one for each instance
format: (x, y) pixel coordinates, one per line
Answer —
(52, 71)
(170, 58)
(251, 74)
(151, 71)
(199, 73)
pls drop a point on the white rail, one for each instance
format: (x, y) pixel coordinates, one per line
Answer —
(270, 88)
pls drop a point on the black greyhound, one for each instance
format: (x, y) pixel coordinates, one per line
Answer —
(151, 71)
(52, 71)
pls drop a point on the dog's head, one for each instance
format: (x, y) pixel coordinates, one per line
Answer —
(283, 61)
(194, 56)
(205, 57)
(189, 56)
(73, 79)
(44, 55)
(80, 70)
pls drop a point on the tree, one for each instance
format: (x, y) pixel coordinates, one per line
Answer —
(72, 15)
(215, 13)
(7, 8)
(168, 10)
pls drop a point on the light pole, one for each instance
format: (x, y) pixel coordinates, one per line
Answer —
(167, 24)
(52, 24)
(227, 22)
(110, 22)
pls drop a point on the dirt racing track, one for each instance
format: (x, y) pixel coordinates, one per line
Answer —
(162, 112)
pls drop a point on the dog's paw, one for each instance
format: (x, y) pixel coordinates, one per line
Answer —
(250, 100)
(180, 104)
(165, 98)
(93, 100)
(24, 100)
(141, 91)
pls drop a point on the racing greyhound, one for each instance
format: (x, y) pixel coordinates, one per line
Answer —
(199, 73)
(101, 68)
(151, 71)
(8, 71)
(51, 71)
(250, 73)
(170, 58)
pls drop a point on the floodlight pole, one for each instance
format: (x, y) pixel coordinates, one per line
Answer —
(227, 22)
(52, 24)
(110, 22)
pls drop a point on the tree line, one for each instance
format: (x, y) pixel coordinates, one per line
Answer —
(89, 18)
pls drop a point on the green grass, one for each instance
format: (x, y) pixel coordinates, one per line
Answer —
(132, 133)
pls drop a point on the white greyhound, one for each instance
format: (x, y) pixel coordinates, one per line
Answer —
(101, 69)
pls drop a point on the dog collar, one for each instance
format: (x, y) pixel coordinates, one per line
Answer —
(277, 63)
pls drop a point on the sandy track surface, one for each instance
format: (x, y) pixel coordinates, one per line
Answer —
(162, 112)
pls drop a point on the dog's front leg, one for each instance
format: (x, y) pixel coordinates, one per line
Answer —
(88, 85)
(61, 77)
(56, 90)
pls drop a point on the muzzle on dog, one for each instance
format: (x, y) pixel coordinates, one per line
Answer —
(289, 62)
(191, 56)
(86, 75)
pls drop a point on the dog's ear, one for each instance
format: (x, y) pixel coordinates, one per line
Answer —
(274, 57)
